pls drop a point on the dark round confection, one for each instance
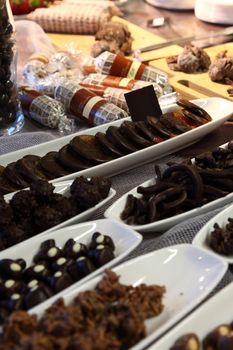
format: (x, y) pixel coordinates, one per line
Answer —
(160, 128)
(70, 161)
(98, 238)
(61, 264)
(28, 168)
(49, 243)
(226, 342)
(211, 340)
(11, 235)
(145, 130)
(14, 177)
(9, 287)
(65, 207)
(128, 130)
(42, 189)
(187, 342)
(108, 146)
(50, 165)
(6, 216)
(86, 193)
(37, 295)
(9, 269)
(6, 186)
(74, 250)
(120, 141)
(46, 217)
(103, 184)
(21, 262)
(80, 268)
(88, 147)
(14, 302)
(101, 255)
(39, 272)
(23, 203)
(48, 254)
(60, 280)
(26, 224)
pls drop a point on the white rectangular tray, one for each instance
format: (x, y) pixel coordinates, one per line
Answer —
(216, 311)
(124, 238)
(219, 109)
(188, 273)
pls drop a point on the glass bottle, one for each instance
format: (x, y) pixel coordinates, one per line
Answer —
(11, 116)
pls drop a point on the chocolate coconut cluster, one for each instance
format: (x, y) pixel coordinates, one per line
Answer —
(221, 338)
(221, 238)
(182, 187)
(30, 212)
(111, 316)
(52, 270)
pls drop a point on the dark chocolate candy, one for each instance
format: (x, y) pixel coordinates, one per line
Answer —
(101, 255)
(37, 295)
(113, 134)
(98, 238)
(128, 130)
(74, 250)
(14, 177)
(60, 280)
(107, 145)
(61, 264)
(10, 269)
(211, 340)
(226, 342)
(81, 268)
(187, 342)
(38, 271)
(47, 253)
(28, 168)
(15, 302)
(51, 166)
(21, 262)
(73, 162)
(9, 287)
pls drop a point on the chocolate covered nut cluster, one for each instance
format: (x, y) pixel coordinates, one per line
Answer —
(221, 338)
(30, 212)
(8, 91)
(182, 187)
(52, 270)
(111, 316)
(221, 239)
(85, 151)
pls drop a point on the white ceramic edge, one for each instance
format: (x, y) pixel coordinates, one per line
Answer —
(154, 335)
(132, 160)
(172, 5)
(165, 224)
(205, 317)
(14, 251)
(200, 238)
(75, 219)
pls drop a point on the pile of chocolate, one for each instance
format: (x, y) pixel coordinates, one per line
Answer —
(182, 187)
(221, 239)
(53, 270)
(111, 316)
(85, 151)
(221, 338)
(30, 212)
(8, 93)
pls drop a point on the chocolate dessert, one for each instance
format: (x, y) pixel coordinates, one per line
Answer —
(221, 238)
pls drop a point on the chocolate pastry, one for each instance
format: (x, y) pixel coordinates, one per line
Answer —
(86, 192)
(10, 269)
(107, 145)
(222, 68)
(221, 239)
(6, 186)
(14, 177)
(101, 255)
(23, 203)
(98, 238)
(38, 272)
(103, 184)
(46, 217)
(187, 342)
(88, 147)
(28, 167)
(60, 280)
(42, 189)
(51, 167)
(70, 161)
(113, 134)
(66, 207)
(11, 235)
(73, 249)
(129, 131)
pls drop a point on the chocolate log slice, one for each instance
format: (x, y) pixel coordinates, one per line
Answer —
(128, 130)
(145, 130)
(14, 177)
(51, 167)
(6, 186)
(113, 134)
(70, 161)
(178, 121)
(160, 128)
(107, 145)
(88, 147)
(28, 167)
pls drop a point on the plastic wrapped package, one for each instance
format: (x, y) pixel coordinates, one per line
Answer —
(110, 64)
(86, 105)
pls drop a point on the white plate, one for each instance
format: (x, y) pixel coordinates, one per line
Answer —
(216, 311)
(64, 188)
(115, 210)
(219, 109)
(173, 4)
(125, 241)
(200, 238)
(188, 273)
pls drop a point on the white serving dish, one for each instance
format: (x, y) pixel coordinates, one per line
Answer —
(215, 11)
(219, 109)
(200, 238)
(188, 273)
(125, 240)
(115, 210)
(216, 311)
(64, 188)
(173, 4)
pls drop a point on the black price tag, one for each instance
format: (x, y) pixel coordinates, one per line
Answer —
(143, 103)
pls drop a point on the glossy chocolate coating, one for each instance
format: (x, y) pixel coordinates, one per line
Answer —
(37, 295)
(38, 271)
(74, 250)
(187, 342)
(61, 264)
(101, 255)
(212, 338)
(10, 269)
(81, 268)
(98, 238)
(60, 280)
(48, 254)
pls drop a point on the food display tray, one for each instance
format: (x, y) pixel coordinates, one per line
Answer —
(219, 109)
